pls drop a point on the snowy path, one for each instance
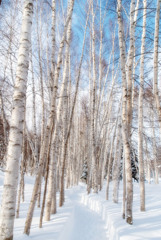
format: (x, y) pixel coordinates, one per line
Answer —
(81, 216)
(73, 221)
(84, 224)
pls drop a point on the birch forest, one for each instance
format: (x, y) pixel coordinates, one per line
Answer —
(80, 101)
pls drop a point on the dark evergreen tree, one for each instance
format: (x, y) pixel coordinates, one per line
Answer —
(134, 164)
(85, 171)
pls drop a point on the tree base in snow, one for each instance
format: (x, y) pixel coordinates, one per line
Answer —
(129, 220)
(10, 238)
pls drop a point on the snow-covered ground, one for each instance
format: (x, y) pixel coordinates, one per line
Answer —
(91, 217)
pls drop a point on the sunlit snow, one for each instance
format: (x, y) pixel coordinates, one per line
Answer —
(91, 217)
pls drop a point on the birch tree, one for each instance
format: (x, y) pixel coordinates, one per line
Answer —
(130, 60)
(140, 114)
(7, 213)
(129, 185)
(155, 68)
(93, 119)
(116, 164)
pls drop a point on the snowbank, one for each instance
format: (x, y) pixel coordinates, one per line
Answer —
(146, 225)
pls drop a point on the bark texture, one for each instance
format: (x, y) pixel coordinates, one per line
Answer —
(7, 213)
(125, 129)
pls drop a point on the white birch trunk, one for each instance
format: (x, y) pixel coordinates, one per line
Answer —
(148, 167)
(154, 151)
(130, 67)
(155, 73)
(89, 161)
(34, 117)
(129, 184)
(116, 165)
(124, 189)
(110, 157)
(93, 120)
(7, 213)
(140, 115)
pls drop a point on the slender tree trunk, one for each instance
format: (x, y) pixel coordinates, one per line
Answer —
(124, 189)
(116, 165)
(45, 187)
(34, 117)
(111, 157)
(41, 91)
(130, 60)
(93, 120)
(140, 115)
(3, 118)
(129, 183)
(52, 164)
(54, 200)
(155, 151)
(155, 73)
(148, 167)
(89, 162)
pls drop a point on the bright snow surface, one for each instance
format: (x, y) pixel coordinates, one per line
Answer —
(91, 217)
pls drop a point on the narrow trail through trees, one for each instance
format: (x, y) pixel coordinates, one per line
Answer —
(84, 223)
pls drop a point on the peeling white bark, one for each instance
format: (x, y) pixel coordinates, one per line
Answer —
(7, 213)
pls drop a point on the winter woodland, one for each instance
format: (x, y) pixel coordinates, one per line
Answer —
(80, 101)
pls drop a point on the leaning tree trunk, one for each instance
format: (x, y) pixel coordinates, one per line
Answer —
(7, 213)
(129, 184)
